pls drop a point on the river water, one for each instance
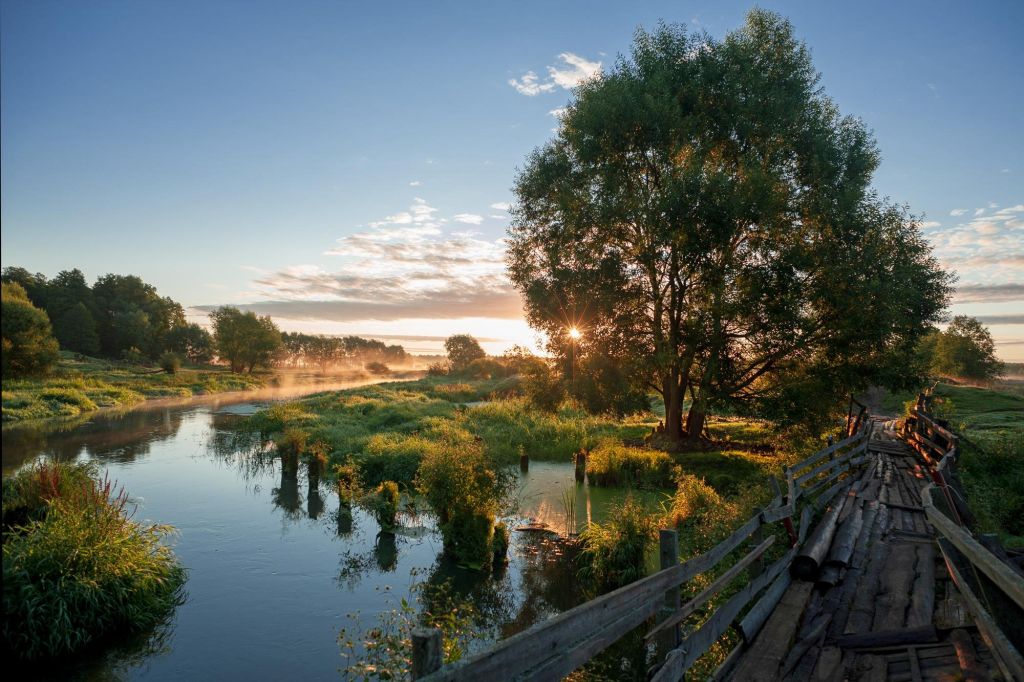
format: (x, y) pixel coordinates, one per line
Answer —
(272, 574)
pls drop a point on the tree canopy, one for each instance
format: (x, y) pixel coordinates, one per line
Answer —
(965, 350)
(244, 340)
(705, 216)
(462, 349)
(28, 343)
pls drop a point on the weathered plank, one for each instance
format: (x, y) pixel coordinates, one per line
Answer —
(756, 617)
(711, 590)
(808, 562)
(825, 453)
(967, 657)
(887, 638)
(769, 649)
(895, 587)
(922, 598)
(996, 570)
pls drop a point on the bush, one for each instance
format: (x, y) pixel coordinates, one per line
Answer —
(170, 363)
(613, 464)
(543, 387)
(464, 492)
(83, 571)
(28, 343)
(383, 504)
(437, 369)
(615, 552)
(377, 368)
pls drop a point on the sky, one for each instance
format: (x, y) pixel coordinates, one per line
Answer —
(347, 167)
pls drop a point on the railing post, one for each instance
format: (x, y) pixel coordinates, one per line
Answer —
(668, 556)
(427, 652)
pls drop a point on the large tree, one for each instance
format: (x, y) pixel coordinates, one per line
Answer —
(704, 215)
(965, 350)
(245, 340)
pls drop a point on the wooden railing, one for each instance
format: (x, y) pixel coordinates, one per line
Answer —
(966, 559)
(552, 649)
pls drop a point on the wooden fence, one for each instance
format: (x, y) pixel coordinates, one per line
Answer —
(966, 558)
(552, 649)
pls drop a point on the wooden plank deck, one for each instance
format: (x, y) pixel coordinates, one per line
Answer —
(893, 613)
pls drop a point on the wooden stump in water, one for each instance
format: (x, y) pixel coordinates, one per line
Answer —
(524, 462)
(581, 465)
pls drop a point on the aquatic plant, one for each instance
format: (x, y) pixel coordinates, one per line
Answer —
(615, 552)
(84, 571)
(382, 503)
(568, 501)
(611, 463)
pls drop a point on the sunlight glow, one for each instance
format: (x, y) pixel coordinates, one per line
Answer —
(575, 333)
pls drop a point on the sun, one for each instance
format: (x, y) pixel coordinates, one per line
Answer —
(575, 333)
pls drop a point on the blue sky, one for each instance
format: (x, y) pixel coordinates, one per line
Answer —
(311, 153)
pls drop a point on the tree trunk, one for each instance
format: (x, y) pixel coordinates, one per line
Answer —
(673, 410)
(695, 421)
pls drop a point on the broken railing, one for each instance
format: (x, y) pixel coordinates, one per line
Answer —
(552, 649)
(984, 580)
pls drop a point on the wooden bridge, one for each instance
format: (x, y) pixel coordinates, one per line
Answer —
(876, 579)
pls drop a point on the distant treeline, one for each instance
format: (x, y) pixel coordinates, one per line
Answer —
(308, 350)
(123, 318)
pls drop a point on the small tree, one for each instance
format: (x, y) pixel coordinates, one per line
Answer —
(965, 350)
(462, 349)
(191, 342)
(170, 363)
(28, 343)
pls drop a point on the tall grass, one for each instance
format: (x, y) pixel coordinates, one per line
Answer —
(81, 570)
(611, 463)
(615, 552)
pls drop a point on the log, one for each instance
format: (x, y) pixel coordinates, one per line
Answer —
(804, 643)
(768, 651)
(922, 598)
(829, 576)
(846, 538)
(807, 563)
(581, 466)
(888, 638)
(524, 462)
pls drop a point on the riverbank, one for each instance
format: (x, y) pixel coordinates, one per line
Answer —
(81, 385)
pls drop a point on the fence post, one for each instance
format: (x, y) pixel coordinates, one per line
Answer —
(427, 651)
(668, 556)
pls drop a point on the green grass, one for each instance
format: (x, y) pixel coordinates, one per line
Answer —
(80, 386)
(611, 463)
(76, 569)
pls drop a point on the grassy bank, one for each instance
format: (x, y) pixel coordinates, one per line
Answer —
(83, 385)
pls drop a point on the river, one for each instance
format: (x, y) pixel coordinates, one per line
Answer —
(272, 574)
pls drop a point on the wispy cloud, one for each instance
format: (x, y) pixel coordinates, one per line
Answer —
(979, 293)
(403, 267)
(987, 252)
(415, 183)
(530, 85)
(1001, 319)
(958, 211)
(501, 206)
(929, 224)
(571, 70)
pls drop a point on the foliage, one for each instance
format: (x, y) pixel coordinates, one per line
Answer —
(75, 330)
(611, 463)
(28, 344)
(383, 504)
(243, 339)
(543, 386)
(464, 492)
(192, 342)
(462, 349)
(385, 652)
(83, 570)
(705, 210)
(27, 495)
(332, 351)
(965, 351)
(169, 362)
(993, 475)
(615, 552)
(377, 368)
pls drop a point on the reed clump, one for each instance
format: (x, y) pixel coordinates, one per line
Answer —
(76, 568)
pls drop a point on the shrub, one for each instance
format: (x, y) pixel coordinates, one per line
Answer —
(613, 464)
(84, 571)
(615, 552)
(464, 492)
(377, 368)
(383, 504)
(485, 368)
(72, 400)
(543, 387)
(437, 369)
(170, 363)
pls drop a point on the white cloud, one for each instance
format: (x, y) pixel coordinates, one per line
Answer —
(469, 218)
(978, 211)
(958, 211)
(987, 251)
(576, 69)
(529, 85)
(558, 113)
(929, 224)
(572, 71)
(993, 204)
(415, 183)
(501, 206)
